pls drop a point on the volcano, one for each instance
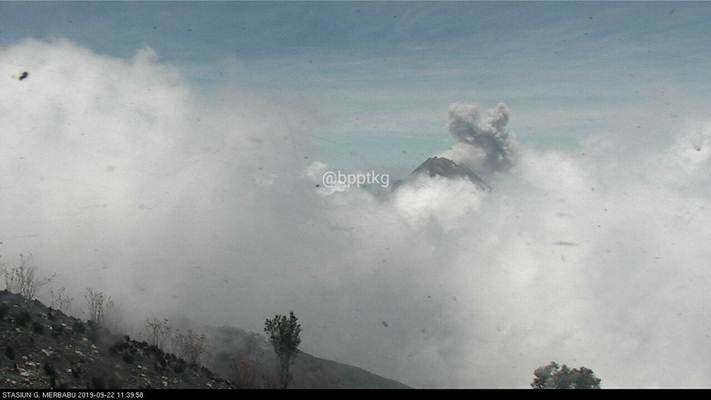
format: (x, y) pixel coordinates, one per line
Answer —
(440, 166)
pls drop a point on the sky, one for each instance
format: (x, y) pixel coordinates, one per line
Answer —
(171, 155)
(379, 75)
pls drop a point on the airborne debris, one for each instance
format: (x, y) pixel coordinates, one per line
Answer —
(21, 76)
(562, 243)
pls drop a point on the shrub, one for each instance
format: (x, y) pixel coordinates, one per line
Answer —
(93, 332)
(179, 367)
(113, 350)
(57, 330)
(56, 383)
(9, 352)
(23, 317)
(49, 369)
(128, 358)
(78, 327)
(113, 384)
(96, 382)
(4, 309)
(37, 328)
(553, 376)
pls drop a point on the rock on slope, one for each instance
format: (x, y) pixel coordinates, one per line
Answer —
(43, 348)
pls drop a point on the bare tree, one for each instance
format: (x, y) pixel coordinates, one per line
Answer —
(190, 346)
(22, 279)
(158, 331)
(98, 305)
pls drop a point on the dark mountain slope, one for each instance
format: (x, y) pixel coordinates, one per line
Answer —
(43, 348)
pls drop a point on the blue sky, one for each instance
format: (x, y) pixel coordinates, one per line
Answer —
(380, 75)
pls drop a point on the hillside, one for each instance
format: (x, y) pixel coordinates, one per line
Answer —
(43, 348)
(248, 359)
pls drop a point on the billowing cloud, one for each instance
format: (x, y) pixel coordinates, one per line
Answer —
(482, 141)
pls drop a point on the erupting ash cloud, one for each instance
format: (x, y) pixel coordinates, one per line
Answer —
(119, 175)
(482, 141)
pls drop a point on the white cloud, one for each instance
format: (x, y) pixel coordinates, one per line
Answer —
(117, 174)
